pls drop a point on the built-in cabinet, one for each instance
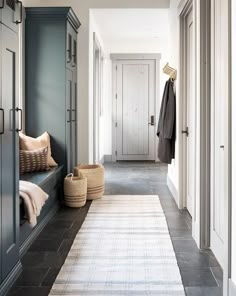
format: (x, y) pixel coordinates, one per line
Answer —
(10, 125)
(51, 79)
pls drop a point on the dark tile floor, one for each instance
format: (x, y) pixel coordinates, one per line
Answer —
(201, 274)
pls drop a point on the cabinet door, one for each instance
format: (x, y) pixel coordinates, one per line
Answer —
(69, 94)
(74, 121)
(10, 154)
(11, 13)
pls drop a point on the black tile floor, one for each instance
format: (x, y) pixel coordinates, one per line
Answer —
(201, 274)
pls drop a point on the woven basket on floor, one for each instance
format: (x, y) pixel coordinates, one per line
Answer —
(75, 190)
(95, 179)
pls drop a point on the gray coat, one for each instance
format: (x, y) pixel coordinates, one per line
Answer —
(166, 130)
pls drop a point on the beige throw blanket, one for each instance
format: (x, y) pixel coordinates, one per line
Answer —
(34, 199)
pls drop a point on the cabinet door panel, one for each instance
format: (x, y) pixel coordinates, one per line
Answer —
(74, 121)
(69, 86)
(10, 156)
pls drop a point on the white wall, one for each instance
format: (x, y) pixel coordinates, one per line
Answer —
(174, 62)
(82, 8)
(233, 143)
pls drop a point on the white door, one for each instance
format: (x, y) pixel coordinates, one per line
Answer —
(219, 131)
(135, 110)
(190, 116)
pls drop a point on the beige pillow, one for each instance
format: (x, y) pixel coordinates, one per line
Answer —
(34, 161)
(31, 144)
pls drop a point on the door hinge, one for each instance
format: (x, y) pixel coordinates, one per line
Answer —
(116, 67)
(116, 96)
(116, 124)
(116, 152)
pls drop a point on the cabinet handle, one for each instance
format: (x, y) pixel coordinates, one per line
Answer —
(2, 5)
(69, 50)
(74, 62)
(3, 122)
(73, 110)
(21, 12)
(69, 56)
(186, 132)
(68, 110)
(19, 129)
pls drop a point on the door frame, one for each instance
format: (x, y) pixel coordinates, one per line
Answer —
(123, 56)
(202, 72)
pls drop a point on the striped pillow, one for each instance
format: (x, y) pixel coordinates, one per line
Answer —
(34, 161)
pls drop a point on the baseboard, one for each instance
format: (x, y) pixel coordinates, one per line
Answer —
(232, 288)
(30, 239)
(107, 158)
(10, 279)
(172, 188)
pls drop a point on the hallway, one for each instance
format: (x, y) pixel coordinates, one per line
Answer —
(200, 272)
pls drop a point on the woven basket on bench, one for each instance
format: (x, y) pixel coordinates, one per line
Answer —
(75, 190)
(95, 179)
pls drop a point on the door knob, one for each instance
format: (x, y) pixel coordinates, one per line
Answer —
(186, 132)
(152, 123)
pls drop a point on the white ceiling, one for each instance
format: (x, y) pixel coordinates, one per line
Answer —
(132, 24)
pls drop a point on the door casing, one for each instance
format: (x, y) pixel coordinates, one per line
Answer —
(116, 57)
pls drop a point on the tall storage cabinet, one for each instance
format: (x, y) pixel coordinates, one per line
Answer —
(51, 79)
(10, 125)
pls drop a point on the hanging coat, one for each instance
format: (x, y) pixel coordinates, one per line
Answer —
(166, 130)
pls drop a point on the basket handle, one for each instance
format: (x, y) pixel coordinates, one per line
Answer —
(70, 176)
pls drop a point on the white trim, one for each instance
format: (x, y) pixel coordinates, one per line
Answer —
(115, 58)
(232, 288)
(182, 6)
(114, 108)
(172, 188)
(204, 97)
(134, 56)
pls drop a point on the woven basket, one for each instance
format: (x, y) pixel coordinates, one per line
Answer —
(75, 190)
(95, 179)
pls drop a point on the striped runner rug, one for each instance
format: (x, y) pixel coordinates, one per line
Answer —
(122, 248)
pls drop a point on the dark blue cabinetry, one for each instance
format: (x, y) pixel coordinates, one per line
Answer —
(10, 117)
(51, 74)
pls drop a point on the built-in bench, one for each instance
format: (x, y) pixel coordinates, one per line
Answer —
(52, 183)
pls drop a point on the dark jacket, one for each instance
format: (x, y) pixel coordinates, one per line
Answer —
(166, 130)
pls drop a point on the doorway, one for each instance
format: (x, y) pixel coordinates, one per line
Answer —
(135, 87)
